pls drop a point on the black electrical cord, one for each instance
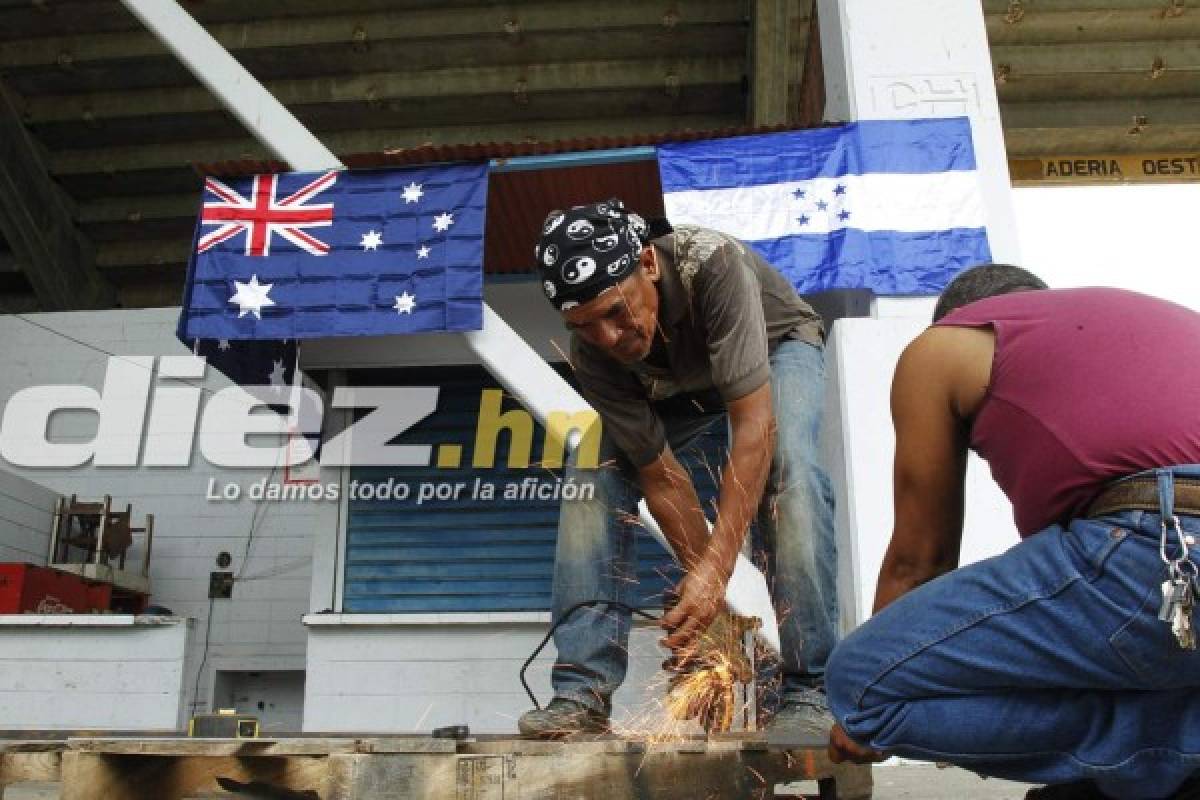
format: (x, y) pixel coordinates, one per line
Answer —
(565, 616)
(203, 658)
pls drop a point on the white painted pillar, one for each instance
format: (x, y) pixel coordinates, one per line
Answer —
(902, 59)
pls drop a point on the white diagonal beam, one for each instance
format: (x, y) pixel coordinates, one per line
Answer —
(500, 349)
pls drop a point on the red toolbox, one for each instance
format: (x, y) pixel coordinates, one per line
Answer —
(25, 588)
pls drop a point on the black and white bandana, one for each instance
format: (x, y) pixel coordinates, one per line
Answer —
(586, 250)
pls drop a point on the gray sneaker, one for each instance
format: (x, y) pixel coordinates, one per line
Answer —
(561, 718)
(803, 722)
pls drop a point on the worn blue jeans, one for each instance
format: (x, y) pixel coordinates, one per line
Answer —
(1046, 664)
(596, 556)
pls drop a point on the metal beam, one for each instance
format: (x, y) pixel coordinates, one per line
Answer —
(9, 264)
(1061, 27)
(515, 364)
(1091, 113)
(158, 156)
(1041, 6)
(18, 303)
(1014, 88)
(772, 67)
(37, 220)
(1113, 57)
(134, 209)
(364, 30)
(147, 253)
(666, 74)
(1046, 141)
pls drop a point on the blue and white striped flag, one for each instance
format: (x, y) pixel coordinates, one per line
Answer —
(891, 206)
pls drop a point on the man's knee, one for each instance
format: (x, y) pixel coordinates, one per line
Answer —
(849, 673)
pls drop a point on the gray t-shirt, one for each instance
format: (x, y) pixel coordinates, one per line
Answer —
(722, 308)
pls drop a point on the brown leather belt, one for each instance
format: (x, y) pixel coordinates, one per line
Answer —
(1142, 494)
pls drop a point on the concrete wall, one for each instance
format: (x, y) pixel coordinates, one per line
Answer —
(259, 628)
(26, 517)
(67, 672)
(417, 673)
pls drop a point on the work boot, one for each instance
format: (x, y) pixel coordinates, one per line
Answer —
(1077, 790)
(561, 718)
(802, 722)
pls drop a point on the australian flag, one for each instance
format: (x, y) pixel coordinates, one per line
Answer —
(366, 253)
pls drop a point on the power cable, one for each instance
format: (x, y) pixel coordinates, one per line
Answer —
(565, 616)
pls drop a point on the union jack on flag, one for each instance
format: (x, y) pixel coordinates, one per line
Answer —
(262, 215)
(337, 253)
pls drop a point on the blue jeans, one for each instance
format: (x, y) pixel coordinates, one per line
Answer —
(595, 556)
(1045, 664)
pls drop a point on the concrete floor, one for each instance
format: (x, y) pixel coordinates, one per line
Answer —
(924, 782)
(902, 782)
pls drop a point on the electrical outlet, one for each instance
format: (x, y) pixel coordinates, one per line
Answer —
(220, 585)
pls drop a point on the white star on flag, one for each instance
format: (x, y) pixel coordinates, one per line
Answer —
(412, 192)
(405, 303)
(423, 251)
(223, 344)
(251, 297)
(443, 221)
(371, 240)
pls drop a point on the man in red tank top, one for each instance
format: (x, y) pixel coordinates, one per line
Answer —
(1069, 660)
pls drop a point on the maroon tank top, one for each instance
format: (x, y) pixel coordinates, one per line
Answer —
(1087, 385)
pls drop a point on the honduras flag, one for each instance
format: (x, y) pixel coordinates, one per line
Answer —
(891, 206)
(306, 255)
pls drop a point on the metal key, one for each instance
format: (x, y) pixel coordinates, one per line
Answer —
(1172, 592)
(1181, 619)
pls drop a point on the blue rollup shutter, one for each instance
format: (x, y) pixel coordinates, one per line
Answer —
(468, 554)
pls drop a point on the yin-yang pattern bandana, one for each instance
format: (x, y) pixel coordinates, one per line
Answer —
(587, 249)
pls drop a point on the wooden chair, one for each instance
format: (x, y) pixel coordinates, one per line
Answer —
(94, 527)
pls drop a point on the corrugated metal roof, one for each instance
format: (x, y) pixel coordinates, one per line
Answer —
(120, 123)
(489, 151)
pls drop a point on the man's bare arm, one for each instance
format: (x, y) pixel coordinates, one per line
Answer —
(702, 592)
(930, 465)
(673, 503)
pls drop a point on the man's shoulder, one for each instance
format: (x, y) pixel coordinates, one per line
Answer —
(949, 362)
(941, 345)
(697, 251)
(701, 244)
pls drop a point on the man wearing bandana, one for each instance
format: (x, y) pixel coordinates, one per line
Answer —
(671, 336)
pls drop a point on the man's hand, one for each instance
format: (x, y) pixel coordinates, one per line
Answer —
(701, 598)
(843, 748)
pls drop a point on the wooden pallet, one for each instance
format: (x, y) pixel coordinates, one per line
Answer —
(421, 768)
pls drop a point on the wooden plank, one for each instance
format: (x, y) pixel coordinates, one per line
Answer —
(37, 220)
(1046, 140)
(771, 57)
(377, 29)
(1099, 26)
(33, 790)
(17, 767)
(491, 768)
(663, 771)
(88, 776)
(534, 79)
(242, 748)
(407, 744)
